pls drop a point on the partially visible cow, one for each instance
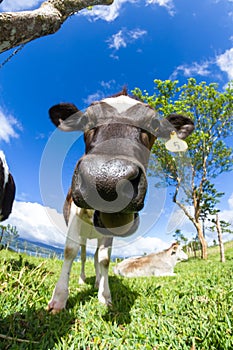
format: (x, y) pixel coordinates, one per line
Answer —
(154, 264)
(7, 189)
(109, 182)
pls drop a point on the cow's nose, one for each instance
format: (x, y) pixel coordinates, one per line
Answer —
(107, 185)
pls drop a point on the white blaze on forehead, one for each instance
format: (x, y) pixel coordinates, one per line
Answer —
(5, 167)
(121, 103)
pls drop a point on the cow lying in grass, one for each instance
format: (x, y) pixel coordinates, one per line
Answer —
(7, 189)
(154, 264)
(110, 179)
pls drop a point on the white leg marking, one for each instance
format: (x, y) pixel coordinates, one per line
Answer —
(104, 294)
(61, 291)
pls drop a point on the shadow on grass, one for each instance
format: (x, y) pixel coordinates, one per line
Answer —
(18, 264)
(123, 299)
(34, 328)
(31, 328)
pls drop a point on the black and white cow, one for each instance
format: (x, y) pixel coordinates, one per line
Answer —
(109, 182)
(7, 189)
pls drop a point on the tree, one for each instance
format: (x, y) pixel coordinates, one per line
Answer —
(179, 237)
(8, 234)
(209, 153)
(192, 247)
(18, 28)
(210, 213)
(221, 227)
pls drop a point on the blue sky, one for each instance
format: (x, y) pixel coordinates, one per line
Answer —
(92, 56)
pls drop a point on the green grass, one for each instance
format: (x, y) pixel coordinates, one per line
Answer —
(193, 310)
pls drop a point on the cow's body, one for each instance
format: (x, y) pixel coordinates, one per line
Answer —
(109, 180)
(7, 189)
(154, 264)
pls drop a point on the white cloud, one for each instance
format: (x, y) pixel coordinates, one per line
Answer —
(227, 214)
(37, 223)
(195, 68)
(110, 13)
(117, 41)
(137, 33)
(8, 125)
(106, 13)
(108, 84)
(125, 37)
(138, 246)
(18, 5)
(97, 96)
(230, 202)
(225, 62)
(168, 4)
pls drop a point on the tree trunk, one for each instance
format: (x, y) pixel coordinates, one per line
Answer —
(3, 229)
(18, 28)
(203, 242)
(220, 241)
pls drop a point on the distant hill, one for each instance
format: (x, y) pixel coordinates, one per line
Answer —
(33, 248)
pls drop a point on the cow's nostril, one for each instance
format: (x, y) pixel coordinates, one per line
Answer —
(129, 187)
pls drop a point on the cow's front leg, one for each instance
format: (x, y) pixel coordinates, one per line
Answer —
(82, 277)
(97, 267)
(104, 254)
(61, 291)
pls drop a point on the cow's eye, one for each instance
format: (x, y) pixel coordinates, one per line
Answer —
(145, 139)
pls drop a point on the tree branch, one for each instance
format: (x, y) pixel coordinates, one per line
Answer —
(18, 28)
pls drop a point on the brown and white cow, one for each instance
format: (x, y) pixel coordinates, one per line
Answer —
(7, 189)
(109, 182)
(154, 264)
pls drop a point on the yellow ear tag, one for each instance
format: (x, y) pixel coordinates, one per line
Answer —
(175, 144)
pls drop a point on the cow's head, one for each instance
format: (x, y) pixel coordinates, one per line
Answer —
(119, 133)
(176, 252)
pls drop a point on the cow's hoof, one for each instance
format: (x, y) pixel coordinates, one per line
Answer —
(54, 307)
(105, 301)
(81, 280)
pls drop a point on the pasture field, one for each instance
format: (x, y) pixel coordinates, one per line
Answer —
(193, 310)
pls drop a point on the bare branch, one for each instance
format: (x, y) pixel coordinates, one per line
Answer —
(17, 28)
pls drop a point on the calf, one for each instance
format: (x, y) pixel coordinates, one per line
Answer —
(7, 189)
(155, 264)
(109, 182)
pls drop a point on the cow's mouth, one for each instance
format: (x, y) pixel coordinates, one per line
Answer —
(116, 224)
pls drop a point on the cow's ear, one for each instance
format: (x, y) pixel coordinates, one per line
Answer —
(66, 116)
(184, 126)
(174, 248)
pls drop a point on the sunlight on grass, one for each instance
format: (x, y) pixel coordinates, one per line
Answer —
(192, 310)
